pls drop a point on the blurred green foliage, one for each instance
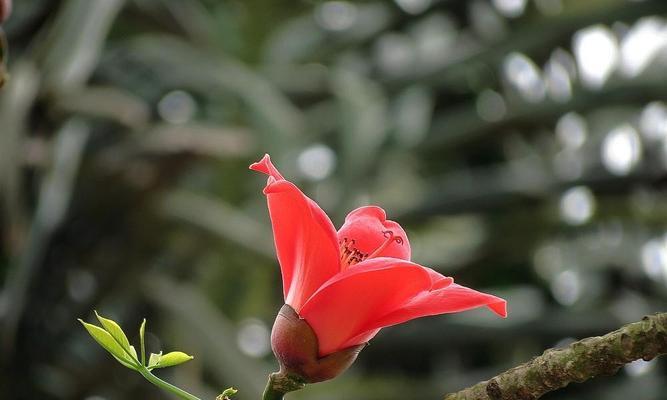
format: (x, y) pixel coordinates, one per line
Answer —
(522, 142)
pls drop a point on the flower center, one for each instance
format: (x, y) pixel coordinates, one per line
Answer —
(350, 255)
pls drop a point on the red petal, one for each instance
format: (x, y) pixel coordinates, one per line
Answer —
(367, 226)
(304, 236)
(438, 281)
(451, 299)
(364, 337)
(342, 309)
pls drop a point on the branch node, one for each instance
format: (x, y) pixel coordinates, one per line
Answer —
(493, 390)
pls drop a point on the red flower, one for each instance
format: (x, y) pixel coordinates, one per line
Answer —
(349, 284)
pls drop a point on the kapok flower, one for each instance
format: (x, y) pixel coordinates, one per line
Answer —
(342, 287)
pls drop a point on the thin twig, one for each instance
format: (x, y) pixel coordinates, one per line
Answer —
(281, 383)
(580, 361)
(4, 49)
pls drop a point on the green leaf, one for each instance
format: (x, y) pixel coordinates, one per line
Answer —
(116, 332)
(125, 363)
(154, 360)
(104, 339)
(142, 331)
(228, 392)
(171, 359)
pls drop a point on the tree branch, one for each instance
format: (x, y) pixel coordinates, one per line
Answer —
(580, 361)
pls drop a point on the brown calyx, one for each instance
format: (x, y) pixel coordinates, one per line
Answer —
(295, 345)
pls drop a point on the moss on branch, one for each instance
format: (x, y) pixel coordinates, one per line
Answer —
(281, 383)
(580, 361)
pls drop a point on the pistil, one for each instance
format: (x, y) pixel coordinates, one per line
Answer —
(349, 255)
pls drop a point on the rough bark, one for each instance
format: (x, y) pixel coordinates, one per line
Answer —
(580, 361)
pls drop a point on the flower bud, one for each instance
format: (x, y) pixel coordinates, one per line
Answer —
(294, 344)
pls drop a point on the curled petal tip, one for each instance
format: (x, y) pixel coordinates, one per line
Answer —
(260, 166)
(265, 166)
(499, 308)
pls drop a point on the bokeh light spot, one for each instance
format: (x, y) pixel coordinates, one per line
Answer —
(571, 130)
(414, 6)
(81, 284)
(253, 338)
(654, 258)
(177, 107)
(336, 15)
(621, 150)
(567, 287)
(641, 44)
(395, 54)
(510, 8)
(596, 51)
(653, 121)
(317, 162)
(525, 76)
(577, 205)
(639, 367)
(491, 106)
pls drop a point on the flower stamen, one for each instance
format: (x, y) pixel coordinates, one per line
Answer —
(349, 255)
(390, 238)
